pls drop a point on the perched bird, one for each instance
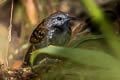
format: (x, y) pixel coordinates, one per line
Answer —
(53, 30)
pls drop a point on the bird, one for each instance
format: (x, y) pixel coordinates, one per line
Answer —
(53, 30)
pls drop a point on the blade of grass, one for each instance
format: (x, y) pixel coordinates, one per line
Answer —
(79, 41)
(81, 56)
(106, 27)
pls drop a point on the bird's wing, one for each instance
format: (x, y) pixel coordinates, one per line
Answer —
(39, 33)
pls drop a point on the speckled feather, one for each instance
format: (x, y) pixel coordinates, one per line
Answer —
(38, 33)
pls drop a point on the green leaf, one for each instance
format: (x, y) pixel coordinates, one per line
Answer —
(80, 40)
(81, 56)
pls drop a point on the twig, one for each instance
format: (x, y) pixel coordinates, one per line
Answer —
(11, 18)
(9, 30)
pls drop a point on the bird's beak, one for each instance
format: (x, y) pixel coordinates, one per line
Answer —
(69, 18)
(72, 18)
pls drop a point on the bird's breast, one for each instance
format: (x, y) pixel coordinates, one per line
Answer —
(58, 37)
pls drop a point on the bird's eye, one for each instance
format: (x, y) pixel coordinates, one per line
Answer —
(59, 18)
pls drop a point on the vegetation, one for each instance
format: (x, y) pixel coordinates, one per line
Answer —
(90, 55)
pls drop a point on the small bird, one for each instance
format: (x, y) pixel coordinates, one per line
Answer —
(53, 30)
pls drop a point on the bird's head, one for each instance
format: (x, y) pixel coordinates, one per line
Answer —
(59, 19)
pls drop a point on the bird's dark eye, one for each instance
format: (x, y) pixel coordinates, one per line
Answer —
(59, 18)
